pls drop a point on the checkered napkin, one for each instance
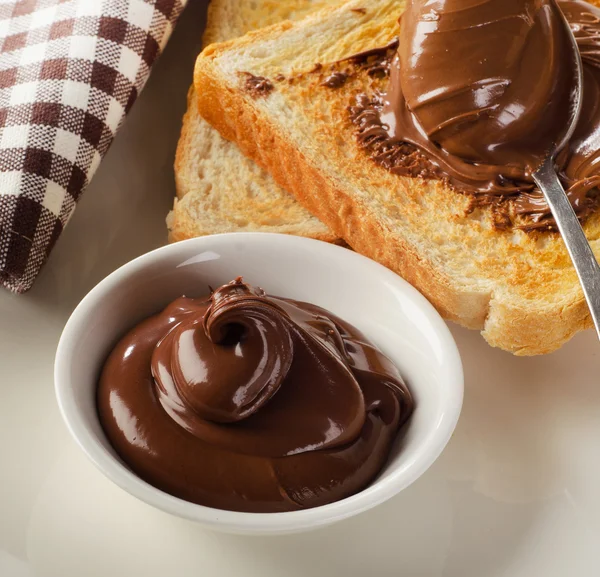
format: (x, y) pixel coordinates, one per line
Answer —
(70, 70)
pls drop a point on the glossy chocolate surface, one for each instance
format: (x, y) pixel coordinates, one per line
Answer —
(478, 92)
(247, 402)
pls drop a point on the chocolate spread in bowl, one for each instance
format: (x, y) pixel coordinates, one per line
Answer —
(248, 402)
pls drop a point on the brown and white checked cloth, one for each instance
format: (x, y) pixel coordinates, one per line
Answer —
(70, 70)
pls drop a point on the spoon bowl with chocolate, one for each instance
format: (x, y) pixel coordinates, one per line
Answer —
(496, 116)
(258, 383)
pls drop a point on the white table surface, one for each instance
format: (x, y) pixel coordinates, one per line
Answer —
(516, 494)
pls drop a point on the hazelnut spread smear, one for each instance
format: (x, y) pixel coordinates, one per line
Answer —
(247, 402)
(477, 90)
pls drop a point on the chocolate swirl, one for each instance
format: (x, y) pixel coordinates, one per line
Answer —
(228, 364)
(252, 403)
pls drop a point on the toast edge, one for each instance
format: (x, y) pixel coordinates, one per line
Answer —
(183, 143)
(178, 228)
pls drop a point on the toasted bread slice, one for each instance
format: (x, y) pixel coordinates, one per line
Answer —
(218, 188)
(518, 288)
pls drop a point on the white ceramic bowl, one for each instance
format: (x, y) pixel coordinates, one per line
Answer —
(391, 312)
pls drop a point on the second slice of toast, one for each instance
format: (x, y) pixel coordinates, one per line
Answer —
(518, 288)
(218, 188)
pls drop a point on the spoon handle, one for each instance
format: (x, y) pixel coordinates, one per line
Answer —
(574, 238)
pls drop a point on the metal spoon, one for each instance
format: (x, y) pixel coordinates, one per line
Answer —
(547, 180)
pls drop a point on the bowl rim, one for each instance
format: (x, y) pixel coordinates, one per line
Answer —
(234, 521)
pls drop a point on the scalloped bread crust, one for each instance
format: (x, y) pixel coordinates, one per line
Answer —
(520, 290)
(218, 188)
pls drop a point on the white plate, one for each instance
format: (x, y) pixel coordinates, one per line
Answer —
(516, 494)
